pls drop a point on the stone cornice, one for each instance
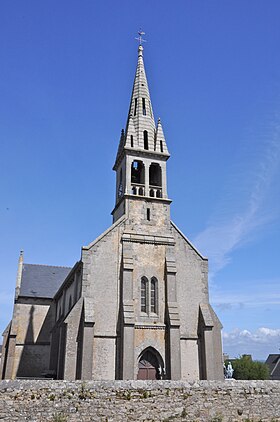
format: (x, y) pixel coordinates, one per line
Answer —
(137, 152)
(144, 238)
(148, 326)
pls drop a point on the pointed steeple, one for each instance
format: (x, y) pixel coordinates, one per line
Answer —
(142, 154)
(141, 131)
(141, 106)
(160, 143)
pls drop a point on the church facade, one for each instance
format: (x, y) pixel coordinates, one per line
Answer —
(136, 305)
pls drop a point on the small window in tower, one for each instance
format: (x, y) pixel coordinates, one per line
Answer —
(146, 142)
(144, 107)
(161, 146)
(148, 214)
(131, 141)
(135, 106)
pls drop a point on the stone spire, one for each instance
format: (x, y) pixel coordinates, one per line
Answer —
(141, 106)
(160, 143)
(141, 132)
(142, 153)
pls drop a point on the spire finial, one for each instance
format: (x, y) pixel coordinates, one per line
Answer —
(140, 38)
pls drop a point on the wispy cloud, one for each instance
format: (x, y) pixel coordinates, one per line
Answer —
(261, 341)
(259, 294)
(234, 228)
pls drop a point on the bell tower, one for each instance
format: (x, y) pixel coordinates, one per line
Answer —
(142, 154)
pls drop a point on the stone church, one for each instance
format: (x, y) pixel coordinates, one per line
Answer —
(136, 305)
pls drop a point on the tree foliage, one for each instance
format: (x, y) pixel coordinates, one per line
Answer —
(247, 369)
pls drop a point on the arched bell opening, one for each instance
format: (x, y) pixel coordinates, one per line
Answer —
(150, 365)
(155, 175)
(137, 172)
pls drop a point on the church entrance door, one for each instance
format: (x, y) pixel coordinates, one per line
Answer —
(147, 366)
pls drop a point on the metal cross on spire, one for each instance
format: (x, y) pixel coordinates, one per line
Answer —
(140, 38)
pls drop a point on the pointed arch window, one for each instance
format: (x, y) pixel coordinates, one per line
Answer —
(144, 295)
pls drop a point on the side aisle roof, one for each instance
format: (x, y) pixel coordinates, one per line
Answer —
(42, 280)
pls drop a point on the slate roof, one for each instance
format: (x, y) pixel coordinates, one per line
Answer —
(273, 362)
(42, 280)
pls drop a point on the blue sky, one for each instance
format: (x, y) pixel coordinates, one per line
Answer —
(66, 75)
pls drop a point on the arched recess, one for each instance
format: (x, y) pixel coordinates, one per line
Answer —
(150, 365)
(155, 175)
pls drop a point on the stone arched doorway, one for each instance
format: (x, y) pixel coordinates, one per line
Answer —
(150, 365)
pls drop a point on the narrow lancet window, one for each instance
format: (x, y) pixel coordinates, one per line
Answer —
(135, 106)
(148, 214)
(144, 107)
(146, 142)
(131, 141)
(144, 294)
(161, 146)
(154, 295)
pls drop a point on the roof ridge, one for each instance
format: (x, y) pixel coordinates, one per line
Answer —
(45, 265)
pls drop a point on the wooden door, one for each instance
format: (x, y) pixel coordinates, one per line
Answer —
(147, 367)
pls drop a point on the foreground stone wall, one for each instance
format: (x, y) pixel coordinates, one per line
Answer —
(104, 401)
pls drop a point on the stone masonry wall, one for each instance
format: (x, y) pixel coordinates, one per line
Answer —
(104, 401)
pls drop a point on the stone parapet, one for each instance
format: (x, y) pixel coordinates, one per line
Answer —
(47, 400)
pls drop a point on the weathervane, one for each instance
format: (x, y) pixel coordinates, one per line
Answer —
(140, 39)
